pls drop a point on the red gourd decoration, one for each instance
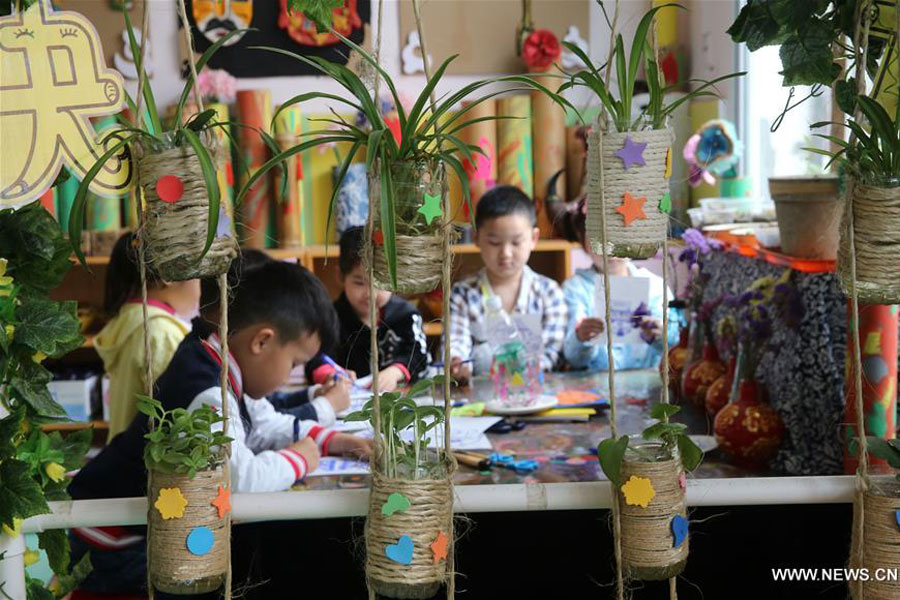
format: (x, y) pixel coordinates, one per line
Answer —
(698, 376)
(747, 429)
(718, 393)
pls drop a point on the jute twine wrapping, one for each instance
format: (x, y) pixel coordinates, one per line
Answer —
(430, 512)
(174, 569)
(607, 175)
(876, 231)
(419, 256)
(648, 551)
(175, 232)
(881, 549)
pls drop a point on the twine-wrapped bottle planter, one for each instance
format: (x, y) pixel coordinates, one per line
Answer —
(876, 233)
(188, 539)
(632, 170)
(409, 535)
(654, 515)
(176, 212)
(880, 539)
(417, 188)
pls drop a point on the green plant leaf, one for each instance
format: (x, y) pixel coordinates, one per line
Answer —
(37, 396)
(154, 126)
(211, 178)
(48, 326)
(662, 411)
(611, 452)
(320, 12)
(691, 454)
(56, 543)
(808, 58)
(10, 426)
(388, 221)
(845, 94)
(66, 583)
(20, 494)
(756, 25)
(35, 590)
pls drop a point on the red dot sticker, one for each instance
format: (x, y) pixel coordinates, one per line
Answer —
(169, 188)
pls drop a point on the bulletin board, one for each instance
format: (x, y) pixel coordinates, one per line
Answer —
(483, 32)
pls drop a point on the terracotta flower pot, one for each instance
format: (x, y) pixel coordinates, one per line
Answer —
(718, 393)
(748, 430)
(698, 376)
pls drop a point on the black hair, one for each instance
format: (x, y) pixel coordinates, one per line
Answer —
(286, 296)
(247, 260)
(502, 201)
(123, 276)
(351, 249)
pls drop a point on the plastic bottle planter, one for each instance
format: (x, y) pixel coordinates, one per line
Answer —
(881, 537)
(654, 516)
(418, 197)
(352, 202)
(516, 376)
(876, 229)
(409, 535)
(188, 539)
(630, 170)
(176, 213)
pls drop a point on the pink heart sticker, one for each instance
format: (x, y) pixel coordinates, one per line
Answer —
(169, 188)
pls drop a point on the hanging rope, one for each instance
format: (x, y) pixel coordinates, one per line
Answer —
(223, 383)
(192, 61)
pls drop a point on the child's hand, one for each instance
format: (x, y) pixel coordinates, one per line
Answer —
(337, 392)
(310, 451)
(589, 328)
(389, 379)
(459, 371)
(354, 446)
(651, 328)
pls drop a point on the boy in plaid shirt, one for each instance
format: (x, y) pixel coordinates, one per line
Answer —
(506, 234)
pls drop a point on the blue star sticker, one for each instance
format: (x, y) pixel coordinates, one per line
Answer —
(632, 153)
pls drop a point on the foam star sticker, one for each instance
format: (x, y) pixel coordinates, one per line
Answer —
(170, 503)
(638, 491)
(439, 547)
(223, 227)
(668, 172)
(665, 203)
(222, 501)
(431, 208)
(631, 208)
(632, 153)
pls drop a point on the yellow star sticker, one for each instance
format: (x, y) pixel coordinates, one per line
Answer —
(668, 172)
(517, 379)
(431, 208)
(638, 491)
(170, 503)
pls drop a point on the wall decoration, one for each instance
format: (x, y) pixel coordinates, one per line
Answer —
(275, 28)
(569, 60)
(54, 80)
(412, 55)
(215, 19)
(107, 19)
(123, 60)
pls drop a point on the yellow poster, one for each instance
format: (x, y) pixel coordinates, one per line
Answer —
(53, 79)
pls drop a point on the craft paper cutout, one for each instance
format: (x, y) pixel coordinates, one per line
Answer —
(54, 79)
(222, 501)
(169, 188)
(396, 502)
(301, 29)
(517, 379)
(577, 397)
(570, 60)
(170, 503)
(223, 226)
(431, 208)
(632, 153)
(439, 547)
(631, 208)
(668, 172)
(200, 541)
(638, 491)
(873, 343)
(665, 203)
(679, 530)
(124, 61)
(411, 55)
(682, 481)
(402, 551)
(875, 369)
(216, 19)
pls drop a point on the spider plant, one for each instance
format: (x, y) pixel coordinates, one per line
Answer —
(405, 430)
(428, 133)
(874, 154)
(627, 66)
(150, 133)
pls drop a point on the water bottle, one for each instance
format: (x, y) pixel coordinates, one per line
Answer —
(514, 374)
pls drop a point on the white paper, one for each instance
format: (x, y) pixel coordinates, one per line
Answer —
(335, 465)
(625, 294)
(466, 433)
(531, 331)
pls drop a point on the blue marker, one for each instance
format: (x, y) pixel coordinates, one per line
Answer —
(338, 368)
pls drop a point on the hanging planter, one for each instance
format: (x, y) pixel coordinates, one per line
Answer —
(654, 514)
(628, 178)
(188, 502)
(417, 189)
(176, 209)
(876, 233)
(880, 539)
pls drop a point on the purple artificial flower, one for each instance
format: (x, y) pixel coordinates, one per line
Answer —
(696, 240)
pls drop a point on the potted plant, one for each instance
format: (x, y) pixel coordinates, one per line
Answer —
(629, 155)
(649, 480)
(409, 529)
(188, 536)
(186, 232)
(34, 258)
(407, 177)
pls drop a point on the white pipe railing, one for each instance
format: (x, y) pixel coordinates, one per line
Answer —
(324, 504)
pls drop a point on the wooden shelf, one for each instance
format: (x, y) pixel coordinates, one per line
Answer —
(75, 426)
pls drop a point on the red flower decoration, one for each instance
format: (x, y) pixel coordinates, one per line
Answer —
(540, 49)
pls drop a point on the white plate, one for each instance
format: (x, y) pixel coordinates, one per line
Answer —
(543, 403)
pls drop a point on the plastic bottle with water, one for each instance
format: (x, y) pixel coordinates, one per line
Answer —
(514, 374)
